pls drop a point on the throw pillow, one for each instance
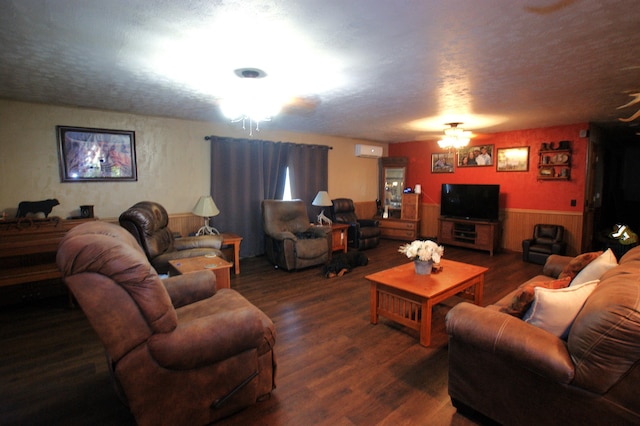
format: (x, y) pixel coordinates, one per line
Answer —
(595, 269)
(578, 263)
(521, 301)
(555, 310)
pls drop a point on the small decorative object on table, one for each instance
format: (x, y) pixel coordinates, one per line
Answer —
(424, 254)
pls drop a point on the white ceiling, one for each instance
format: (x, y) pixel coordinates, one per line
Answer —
(385, 70)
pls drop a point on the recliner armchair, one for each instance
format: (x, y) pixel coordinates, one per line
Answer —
(179, 350)
(291, 242)
(547, 240)
(362, 233)
(147, 221)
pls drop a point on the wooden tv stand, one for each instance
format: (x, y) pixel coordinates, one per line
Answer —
(469, 233)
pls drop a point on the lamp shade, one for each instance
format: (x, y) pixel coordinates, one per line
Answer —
(322, 199)
(205, 207)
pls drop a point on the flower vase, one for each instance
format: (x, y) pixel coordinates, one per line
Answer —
(423, 267)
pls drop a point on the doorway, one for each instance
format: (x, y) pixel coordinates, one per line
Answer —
(614, 198)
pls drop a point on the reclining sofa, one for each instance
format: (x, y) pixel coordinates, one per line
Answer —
(516, 373)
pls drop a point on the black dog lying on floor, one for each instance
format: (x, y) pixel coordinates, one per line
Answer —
(342, 263)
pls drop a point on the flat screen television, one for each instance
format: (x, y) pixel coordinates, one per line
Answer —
(470, 201)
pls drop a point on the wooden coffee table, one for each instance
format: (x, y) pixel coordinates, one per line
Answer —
(218, 265)
(405, 297)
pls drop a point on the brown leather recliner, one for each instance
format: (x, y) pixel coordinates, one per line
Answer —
(147, 221)
(291, 241)
(362, 233)
(547, 240)
(180, 351)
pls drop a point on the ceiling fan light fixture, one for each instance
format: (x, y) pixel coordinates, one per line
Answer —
(454, 137)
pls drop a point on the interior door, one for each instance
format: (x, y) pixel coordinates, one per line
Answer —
(593, 188)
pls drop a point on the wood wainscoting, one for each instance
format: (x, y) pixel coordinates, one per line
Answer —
(185, 223)
(365, 209)
(429, 214)
(516, 225)
(179, 223)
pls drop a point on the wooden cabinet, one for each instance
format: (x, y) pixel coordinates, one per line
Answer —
(469, 233)
(398, 229)
(402, 221)
(392, 175)
(554, 164)
(407, 226)
(410, 207)
(28, 248)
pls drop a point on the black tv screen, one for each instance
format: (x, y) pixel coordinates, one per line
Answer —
(470, 201)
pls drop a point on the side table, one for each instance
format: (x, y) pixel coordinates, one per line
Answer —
(339, 238)
(218, 265)
(229, 239)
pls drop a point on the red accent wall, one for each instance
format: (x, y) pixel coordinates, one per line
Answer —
(518, 190)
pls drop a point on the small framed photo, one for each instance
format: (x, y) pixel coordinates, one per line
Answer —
(513, 159)
(442, 162)
(473, 156)
(95, 155)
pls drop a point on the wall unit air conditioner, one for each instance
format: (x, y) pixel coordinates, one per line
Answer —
(368, 151)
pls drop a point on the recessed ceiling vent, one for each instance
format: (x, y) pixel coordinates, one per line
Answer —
(250, 73)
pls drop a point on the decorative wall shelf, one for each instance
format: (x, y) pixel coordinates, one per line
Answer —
(554, 164)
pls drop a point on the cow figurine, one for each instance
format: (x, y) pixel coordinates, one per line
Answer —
(44, 206)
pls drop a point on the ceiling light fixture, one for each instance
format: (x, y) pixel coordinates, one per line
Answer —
(251, 103)
(454, 137)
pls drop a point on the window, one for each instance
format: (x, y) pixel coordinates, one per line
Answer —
(287, 187)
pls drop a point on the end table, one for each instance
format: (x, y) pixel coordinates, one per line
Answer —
(339, 237)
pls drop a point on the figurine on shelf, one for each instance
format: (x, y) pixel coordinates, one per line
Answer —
(35, 207)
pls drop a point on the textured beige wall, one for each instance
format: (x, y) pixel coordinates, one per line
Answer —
(172, 157)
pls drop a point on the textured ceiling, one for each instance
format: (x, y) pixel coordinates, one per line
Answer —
(393, 70)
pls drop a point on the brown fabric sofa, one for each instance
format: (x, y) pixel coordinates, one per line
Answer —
(180, 351)
(518, 374)
(147, 221)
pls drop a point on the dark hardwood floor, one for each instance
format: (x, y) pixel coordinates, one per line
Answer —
(334, 367)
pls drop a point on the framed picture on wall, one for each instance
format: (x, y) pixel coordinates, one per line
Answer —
(513, 159)
(442, 162)
(96, 155)
(473, 156)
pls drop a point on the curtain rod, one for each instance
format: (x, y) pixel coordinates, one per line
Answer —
(212, 137)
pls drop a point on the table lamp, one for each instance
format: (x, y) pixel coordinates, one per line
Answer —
(323, 200)
(206, 208)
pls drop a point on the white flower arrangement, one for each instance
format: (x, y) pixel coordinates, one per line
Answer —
(423, 250)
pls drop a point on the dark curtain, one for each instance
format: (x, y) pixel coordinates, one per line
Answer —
(246, 171)
(308, 174)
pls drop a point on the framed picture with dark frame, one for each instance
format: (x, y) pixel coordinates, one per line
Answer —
(474, 156)
(96, 155)
(513, 159)
(442, 162)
